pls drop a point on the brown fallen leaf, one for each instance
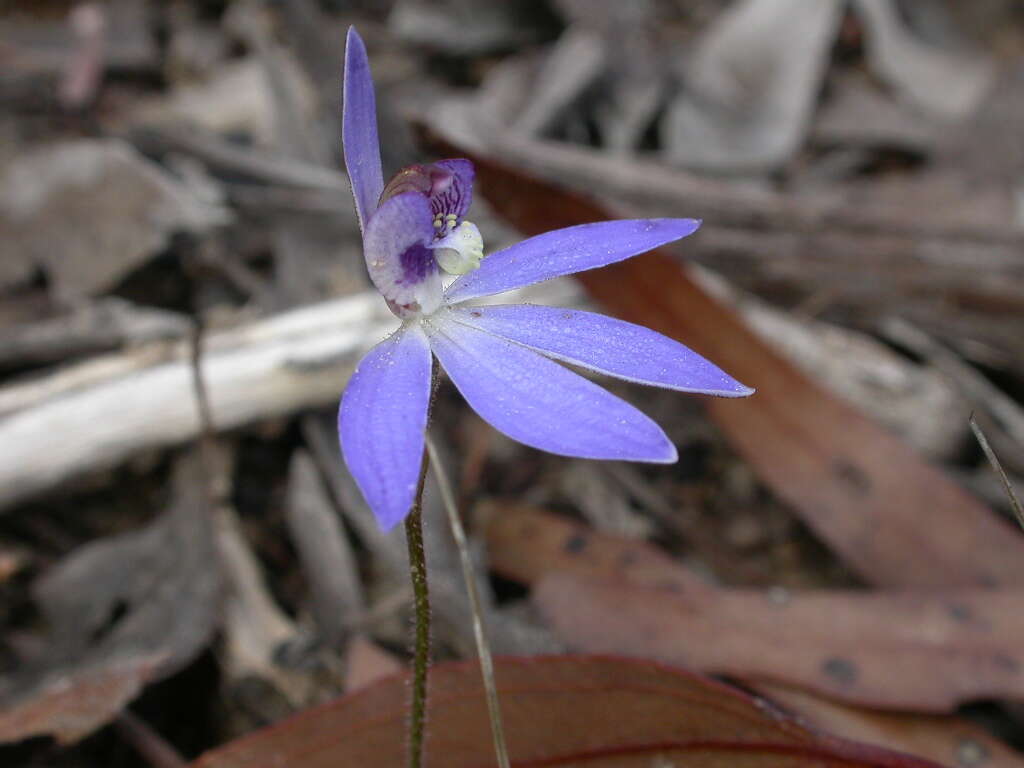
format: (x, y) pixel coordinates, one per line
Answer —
(946, 740)
(906, 650)
(89, 211)
(925, 651)
(71, 705)
(524, 544)
(917, 650)
(558, 711)
(895, 519)
(366, 663)
(121, 611)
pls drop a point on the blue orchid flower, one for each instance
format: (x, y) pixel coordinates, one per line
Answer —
(501, 358)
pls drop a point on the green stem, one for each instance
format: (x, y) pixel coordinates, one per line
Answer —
(482, 648)
(421, 636)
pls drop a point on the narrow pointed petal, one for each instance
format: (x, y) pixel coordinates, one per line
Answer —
(605, 345)
(382, 420)
(359, 129)
(566, 251)
(397, 257)
(538, 402)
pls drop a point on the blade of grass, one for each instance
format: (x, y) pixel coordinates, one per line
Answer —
(994, 461)
(482, 648)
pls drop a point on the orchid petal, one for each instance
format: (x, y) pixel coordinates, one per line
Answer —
(397, 257)
(604, 344)
(566, 251)
(538, 402)
(382, 420)
(359, 130)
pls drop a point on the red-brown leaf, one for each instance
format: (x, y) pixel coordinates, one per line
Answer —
(73, 704)
(947, 740)
(922, 650)
(911, 651)
(559, 711)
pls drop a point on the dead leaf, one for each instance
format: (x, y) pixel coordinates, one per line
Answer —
(602, 501)
(859, 114)
(917, 402)
(255, 629)
(926, 651)
(558, 711)
(328, 562)
(120, 611)
(238, 99)
(988, 146)
(71, 705)
(908, 651)
(946, 740)
(946, 83)
(637, 41)
(895, 519)
(366, 663)
(524, 544)
(752, 85)
(573, 65)
(88, 211)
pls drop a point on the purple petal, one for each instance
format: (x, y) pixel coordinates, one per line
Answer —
(359, 129)
(538, 402)
(605, 345)
(566, 251)
(397, 258)
(457, 198)
(382, 420)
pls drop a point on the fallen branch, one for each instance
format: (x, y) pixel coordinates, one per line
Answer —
(99, 414)
(97, 327)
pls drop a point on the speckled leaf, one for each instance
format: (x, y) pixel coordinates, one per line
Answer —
(921, 650)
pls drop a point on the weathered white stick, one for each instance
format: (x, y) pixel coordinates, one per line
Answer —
(296, 360)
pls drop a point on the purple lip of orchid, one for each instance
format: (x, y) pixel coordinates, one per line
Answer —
(417, 231)
(501, 357)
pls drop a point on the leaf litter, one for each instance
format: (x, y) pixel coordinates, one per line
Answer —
(854, 165)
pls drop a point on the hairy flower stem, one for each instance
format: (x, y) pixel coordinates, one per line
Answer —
(421, 636)
(482, 648)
